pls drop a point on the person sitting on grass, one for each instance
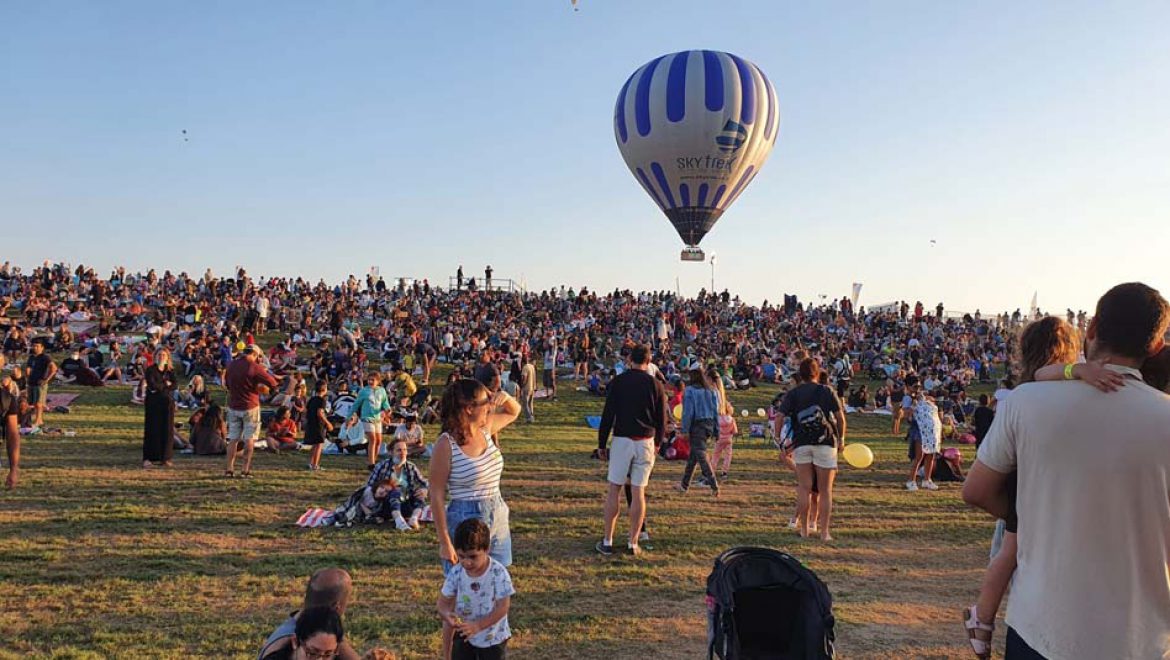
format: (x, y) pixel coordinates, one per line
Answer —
(369, 505)
(195, 392)
(138, 394)
(282, 431)
(476, 596)
(108, 372)
(411, 432)
(328, 588)
(208, 430)
(75, 370)
(409, 497)
(318, 634)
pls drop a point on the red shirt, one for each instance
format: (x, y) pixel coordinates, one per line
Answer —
(243, 379)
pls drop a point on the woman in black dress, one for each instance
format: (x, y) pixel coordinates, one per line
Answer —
(158, 443)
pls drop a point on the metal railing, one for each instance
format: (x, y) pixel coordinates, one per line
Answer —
(482, 284)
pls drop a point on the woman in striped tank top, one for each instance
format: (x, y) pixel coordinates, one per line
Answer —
(465, 471)
(466, 466)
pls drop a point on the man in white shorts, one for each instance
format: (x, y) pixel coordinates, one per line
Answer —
(635, 411)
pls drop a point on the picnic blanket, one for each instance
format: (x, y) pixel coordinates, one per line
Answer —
(55, 400)
(861, 411)
(318, 517)
(315, 517)
(82, 327)
(593, 421)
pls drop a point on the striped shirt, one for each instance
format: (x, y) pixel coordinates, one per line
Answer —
(475, 478)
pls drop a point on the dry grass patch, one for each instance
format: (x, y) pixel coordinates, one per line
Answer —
(105, 560)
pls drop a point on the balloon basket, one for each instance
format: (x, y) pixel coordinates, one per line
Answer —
(692, 254)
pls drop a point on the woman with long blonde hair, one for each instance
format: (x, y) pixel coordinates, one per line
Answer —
(158, 434)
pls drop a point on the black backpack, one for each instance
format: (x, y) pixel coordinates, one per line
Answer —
(810, 424)
(763, 604)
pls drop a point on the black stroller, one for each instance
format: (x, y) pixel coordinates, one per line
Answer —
(763, 604)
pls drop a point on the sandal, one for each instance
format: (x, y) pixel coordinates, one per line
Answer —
(978, 633)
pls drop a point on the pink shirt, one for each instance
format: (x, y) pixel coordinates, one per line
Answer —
(727, 427)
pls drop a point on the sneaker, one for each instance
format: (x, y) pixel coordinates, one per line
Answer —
(723, 476)
(402, 526)
(929, 485)
(911, 486)
(644, 537)
(680, 488)
(603, 548)
(792, 524)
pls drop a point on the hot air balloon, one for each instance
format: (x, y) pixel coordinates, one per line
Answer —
(695, 127)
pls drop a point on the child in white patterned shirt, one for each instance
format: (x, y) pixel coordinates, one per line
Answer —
(476, 596)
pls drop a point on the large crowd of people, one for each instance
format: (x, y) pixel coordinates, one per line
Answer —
(350, 360)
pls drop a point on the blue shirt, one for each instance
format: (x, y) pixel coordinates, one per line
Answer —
(373, 402)
(698, 403)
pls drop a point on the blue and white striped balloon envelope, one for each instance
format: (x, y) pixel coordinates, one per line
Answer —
(695, 128)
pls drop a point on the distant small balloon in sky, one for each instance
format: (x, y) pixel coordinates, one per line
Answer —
(933, 242)
(185, 135)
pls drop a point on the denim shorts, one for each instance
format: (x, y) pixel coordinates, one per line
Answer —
(494, 513)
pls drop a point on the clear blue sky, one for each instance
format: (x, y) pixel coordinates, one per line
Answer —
(1029, 139)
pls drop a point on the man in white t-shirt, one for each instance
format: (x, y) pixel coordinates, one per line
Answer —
(1092, 578)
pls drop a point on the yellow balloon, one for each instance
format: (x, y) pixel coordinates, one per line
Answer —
(858, 455)
(677, 412)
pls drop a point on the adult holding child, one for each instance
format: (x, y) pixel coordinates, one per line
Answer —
(466, 467)
(1091, 580)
